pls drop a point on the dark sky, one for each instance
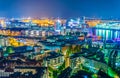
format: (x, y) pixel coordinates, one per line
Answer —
(59, 8)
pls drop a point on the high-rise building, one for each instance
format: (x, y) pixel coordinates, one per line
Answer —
(58, 25)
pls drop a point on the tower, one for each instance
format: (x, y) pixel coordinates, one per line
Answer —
(58, 25)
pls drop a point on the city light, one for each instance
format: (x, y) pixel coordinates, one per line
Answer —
(59, 39)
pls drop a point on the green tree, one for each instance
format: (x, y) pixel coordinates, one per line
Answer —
(54, 73)
(62, 67)
(9, 50)
(69, 51)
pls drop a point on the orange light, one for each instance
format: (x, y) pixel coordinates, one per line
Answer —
(93, 23)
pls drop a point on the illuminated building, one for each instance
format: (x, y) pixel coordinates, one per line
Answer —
(97, 44)
(36, 71)
(4, 42)
(114, 56)
(58, 25)
(10, 33)
(82, 20)
(16, 42)
(77, 61)
(40, 71)
(74, 22)
(108, 31)
(77, 22)
(93, 23)
(46, 22)
(41, 22)
(26, 32)
(37, 33)
(53, 59)
(75, 25)
(18, 24)
(117, 61)
(3, 23)
(109, 25)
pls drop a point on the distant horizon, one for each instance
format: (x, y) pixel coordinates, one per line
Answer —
(99, 18)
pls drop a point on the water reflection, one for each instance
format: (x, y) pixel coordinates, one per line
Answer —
(107, 34)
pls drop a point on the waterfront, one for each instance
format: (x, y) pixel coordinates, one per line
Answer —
(106, 34)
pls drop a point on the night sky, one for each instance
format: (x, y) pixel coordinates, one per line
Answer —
(59, 8)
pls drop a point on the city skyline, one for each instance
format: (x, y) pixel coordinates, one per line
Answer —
(59, 39)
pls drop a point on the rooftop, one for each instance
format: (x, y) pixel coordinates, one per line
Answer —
(52, 55)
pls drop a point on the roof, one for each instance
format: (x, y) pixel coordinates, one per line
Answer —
(30, 67)
(11, 61)
(16, 29)
(85, 52)
(53, 55)
(23, 49)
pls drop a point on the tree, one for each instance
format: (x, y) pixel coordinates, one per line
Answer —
(54, 73)
(62, 66)
(69, 51)
(59, 51)
(9, 50)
